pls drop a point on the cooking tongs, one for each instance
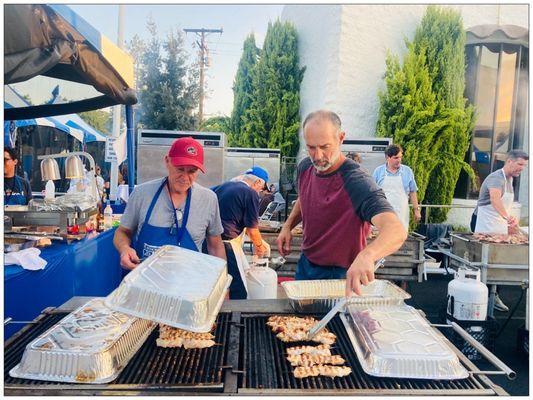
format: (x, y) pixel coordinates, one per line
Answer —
(337, 308)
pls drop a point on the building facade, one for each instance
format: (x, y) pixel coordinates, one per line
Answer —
(344, 48)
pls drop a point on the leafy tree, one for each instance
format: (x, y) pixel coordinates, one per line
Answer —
(408, 113)
(167, 86)
(217, 124)
(99, 119)
(273, 118)
(442, 39)
(242, 91)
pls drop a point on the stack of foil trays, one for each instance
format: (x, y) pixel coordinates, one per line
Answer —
(174, 286)
(319, 296)
(91, 345)
(396, 341)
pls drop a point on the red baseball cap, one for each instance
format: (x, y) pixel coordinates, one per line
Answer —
(187, 151)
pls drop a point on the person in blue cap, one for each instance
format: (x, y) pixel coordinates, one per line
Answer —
(238, 201)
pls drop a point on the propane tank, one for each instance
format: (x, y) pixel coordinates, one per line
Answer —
(262, 281)
(467, 296)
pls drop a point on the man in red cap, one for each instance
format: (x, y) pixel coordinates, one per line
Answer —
(174, 210)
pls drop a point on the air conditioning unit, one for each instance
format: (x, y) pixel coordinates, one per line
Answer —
(237, 160)
(371, 150)
(153, 145)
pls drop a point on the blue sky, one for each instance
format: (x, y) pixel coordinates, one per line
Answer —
(237, 21)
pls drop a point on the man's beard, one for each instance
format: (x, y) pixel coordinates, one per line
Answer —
(328, 165)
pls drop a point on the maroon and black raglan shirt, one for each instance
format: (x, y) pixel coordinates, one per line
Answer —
(336, 211)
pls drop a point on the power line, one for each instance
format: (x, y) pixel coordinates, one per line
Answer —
(203, 50)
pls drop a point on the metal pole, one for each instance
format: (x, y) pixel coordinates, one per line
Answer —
(116, 111)
(202, 65)
(130, 144)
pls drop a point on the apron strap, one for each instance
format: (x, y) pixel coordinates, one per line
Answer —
(154, 200)
(183, 228)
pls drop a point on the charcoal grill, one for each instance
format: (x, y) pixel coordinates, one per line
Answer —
(249, 361)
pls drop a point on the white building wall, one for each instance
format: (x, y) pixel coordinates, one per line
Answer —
(344, 48)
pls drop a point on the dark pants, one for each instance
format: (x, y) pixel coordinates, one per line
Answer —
(237, 291)
(473, 221)
(306, 270)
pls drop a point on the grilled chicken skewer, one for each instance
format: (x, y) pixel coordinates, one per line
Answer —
(320, 350)
(324, 370)
(307, 360)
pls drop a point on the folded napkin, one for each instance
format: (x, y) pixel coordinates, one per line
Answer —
(27, 259)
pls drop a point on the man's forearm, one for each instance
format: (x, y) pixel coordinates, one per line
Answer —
(121, 240)
(215, 247)
(295, 216)
(255, 236)
(498, 206)
(414, 199)
(391, 236)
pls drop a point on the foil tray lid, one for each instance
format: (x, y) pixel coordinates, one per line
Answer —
(335, 289)
(90, 345)
(174, 286)
(396, 341)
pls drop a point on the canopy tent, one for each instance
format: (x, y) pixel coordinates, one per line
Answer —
(52, 40)
(13, 99)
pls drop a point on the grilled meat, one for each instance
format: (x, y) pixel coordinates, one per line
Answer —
(295, 329)
(518, 238)
(320, 350)
(306, 360)
(324, 370)
(175, 337)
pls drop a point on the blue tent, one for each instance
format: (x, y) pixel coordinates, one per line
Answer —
(13, 99)
(74, 121)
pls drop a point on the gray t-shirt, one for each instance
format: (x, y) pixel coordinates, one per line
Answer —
(496, 180)
(204, 214)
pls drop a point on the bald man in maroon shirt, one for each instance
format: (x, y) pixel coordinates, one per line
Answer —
(337, 202)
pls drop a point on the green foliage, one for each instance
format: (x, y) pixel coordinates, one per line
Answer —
(408, 113)
(273, 118)
(442, 38)
(242, 91)
(167, 87)
(217, 124)
(99, 119)
(424, 110)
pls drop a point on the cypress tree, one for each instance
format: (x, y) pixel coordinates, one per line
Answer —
(273, 118)
(242, 92)
(441, 38)
(408, 114)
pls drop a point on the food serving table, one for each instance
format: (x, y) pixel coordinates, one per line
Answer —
(89, 267)
(248, 360)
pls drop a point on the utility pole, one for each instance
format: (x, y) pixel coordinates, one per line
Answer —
(201, 32)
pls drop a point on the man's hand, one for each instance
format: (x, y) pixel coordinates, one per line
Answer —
(284, 241)
(418, 215)
(260, 250)
(129, 258)
(512, 221)
(361, 272)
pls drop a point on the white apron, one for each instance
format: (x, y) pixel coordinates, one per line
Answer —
(398, 199)
(242, 262)
(489, 220)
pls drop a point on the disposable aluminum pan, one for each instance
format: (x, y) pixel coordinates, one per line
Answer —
(91, 345)
(395, 341)
(174, 286)
(317, 296)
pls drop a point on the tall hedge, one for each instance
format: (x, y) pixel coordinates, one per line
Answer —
(441, 37)
(273, 118)
(242, 91)
(408, 113)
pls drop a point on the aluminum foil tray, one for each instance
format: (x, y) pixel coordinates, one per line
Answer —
(396, 341)
(91, 345)
(174, 286)
(318, 296)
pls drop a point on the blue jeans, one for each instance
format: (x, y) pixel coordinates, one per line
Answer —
(306, 270)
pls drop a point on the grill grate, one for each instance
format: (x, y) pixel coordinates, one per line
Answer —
(151, 365)
(265, 366)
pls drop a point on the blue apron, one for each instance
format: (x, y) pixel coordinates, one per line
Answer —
(151, 238)
(16, 199)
